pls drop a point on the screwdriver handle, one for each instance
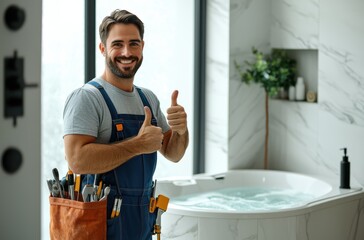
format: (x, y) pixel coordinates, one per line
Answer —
(70, 177)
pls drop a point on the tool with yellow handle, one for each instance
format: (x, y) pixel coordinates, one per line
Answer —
(161, 204)
(153, 200)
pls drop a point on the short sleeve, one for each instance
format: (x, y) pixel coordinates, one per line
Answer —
(82, 113)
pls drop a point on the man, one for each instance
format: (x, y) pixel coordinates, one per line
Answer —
(114, 128)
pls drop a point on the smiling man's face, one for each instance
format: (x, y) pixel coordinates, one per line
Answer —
(124, 50)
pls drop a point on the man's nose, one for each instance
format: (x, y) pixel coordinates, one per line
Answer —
(126, 51)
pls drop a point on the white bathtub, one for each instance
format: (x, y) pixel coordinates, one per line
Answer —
(331, 213)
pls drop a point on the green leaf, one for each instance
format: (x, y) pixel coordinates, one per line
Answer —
(272, 71)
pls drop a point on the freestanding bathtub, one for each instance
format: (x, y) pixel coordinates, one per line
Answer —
(325, 212)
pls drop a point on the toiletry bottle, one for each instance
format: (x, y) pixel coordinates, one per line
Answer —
(300, 89)
(292, 93)
(345, 171)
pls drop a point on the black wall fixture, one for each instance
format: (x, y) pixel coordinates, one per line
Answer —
(11, 160)
(14, 85)
(14, 17)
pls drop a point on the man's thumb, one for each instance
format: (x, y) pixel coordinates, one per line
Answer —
(148, 116)
(174, 98)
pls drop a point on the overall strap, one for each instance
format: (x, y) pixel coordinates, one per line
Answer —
(114, 115)
(144, 100)
(110, 105)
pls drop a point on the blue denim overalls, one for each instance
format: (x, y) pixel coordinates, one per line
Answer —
(132, 180)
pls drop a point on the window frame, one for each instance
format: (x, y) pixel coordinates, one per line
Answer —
(199, 112)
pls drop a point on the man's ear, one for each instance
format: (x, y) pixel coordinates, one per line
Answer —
(102, 48)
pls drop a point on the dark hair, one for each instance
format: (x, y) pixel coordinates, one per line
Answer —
(119, 16)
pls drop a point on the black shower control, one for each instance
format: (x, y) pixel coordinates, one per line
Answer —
(11, 160)
(14, 17)
(14, 85)
(13, 90)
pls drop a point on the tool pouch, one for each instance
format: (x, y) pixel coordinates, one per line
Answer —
(70, 219)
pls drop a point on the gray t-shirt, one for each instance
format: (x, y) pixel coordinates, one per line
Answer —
(86, 111)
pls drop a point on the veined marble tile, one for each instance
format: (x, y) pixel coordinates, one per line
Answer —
(333, 135)
(360, 228)
(277, 229)
(301, 227)
(332, 220)
(293, 138)
(176, 227)
(247, 127)
(246, 102)
(341, 72)
(295, 24)
(232, 229)
(217, 95)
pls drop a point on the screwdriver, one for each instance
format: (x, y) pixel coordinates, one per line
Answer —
(71, 187)
(98, 185)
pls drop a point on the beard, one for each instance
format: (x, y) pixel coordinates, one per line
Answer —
(125, 72)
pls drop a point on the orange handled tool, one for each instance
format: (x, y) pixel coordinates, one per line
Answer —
(153, 201)
(162, 204)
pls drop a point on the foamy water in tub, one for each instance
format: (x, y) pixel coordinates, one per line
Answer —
(247, 199)
(244, 191)
(261, 204)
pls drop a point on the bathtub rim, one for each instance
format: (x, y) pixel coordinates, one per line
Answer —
(334, 197)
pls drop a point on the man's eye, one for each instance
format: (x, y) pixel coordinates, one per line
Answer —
(134, 44)
(117, 45)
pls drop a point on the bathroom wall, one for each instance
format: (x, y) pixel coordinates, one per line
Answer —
(20, 145)
(217, 85)
(304, 137)
(235, 128)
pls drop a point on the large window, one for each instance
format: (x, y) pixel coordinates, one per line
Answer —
(168, 65)
(168, 59)
(62, 71)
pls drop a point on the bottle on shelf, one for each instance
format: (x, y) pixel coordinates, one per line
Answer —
(300, 89)
(292, 93)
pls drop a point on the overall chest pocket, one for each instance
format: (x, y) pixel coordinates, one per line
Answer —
(126, 128)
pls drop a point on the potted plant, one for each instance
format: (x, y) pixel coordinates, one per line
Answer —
(272, 71)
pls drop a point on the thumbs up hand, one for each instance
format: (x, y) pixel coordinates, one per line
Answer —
(151, 136)
(176, 116)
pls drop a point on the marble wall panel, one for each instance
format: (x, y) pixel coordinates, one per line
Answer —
(277, 229)
(217, 73)
(232, 229)
(295, 24)
(178, 227)
(249, 26)
(293, 125)
(303, 138)
(341, 84)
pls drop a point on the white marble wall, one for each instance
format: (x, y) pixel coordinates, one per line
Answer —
(303, 137)
(295, 24)
(246, 122)
(308, 138)
(341, 83)
(217, 73)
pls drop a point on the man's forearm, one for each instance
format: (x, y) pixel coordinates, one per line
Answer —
(100, 158)
(176, 146)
